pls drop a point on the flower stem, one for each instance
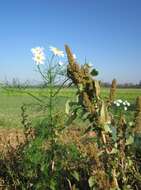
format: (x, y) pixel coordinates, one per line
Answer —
(58, 90)
(43, 76)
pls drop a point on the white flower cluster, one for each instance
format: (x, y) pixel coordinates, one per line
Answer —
(39, 56)
(120, 103)
(57, 52)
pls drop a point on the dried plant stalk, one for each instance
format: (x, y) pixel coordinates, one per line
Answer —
(113, 90)
(82, 79)
(138, 115)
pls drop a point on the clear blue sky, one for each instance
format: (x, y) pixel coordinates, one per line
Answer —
(107, 32)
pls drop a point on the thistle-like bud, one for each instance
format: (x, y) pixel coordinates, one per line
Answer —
(113, 90)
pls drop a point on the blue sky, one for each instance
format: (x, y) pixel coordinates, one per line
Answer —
(107, 32)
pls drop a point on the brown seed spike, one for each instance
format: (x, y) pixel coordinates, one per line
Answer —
(113, 90)
(138, 104)
(138, 115)
(69, 55)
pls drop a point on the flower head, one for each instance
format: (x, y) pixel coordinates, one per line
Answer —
(125, 108)
(119, 100)
(38, 55)
(90, 64)
(57, 52)
(122, 104)
(60, 63)
(117, 104)
(74, 56)
(126, 103)
(37, 50)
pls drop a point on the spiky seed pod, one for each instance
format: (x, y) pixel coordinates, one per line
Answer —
(138, 115)
(122, 126)
(113, 90)
(69, 55)
(88, 88)
(87, 103)
(138, 104)
(74, 71)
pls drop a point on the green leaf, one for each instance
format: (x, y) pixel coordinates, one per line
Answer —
(107, 128)
(91, 181)
(114, 151)
(77, 98)
(84, 115)
(130, 162)
(97, 88)
(80, 86)
(114, 133)
(53, 184)
(71, 119)
(76, 175)
(130, 140)
(67, 107)
(100, 153)
(94, 72)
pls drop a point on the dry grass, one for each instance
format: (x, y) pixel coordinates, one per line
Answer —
(10, 138)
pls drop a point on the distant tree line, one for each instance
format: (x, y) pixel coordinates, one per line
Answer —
(16, 83)
(123, 85)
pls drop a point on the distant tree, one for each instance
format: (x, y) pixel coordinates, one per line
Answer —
(140, 83)
(16, 83)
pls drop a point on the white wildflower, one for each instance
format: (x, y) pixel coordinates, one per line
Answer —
(38, 55)
(125, 108)
(57, 52)
(128, 104)
(130, 123)
(74, 56)
(90, 64)
(60, 63)
(120, 101)
(109, 122)
(37, 50)
(117, 104)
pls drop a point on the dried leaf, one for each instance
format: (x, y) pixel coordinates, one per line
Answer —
(103, 118)
(97, 88)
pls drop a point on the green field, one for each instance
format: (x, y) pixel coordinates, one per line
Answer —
(12, 100)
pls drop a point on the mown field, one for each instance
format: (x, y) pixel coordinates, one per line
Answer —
(11, 101)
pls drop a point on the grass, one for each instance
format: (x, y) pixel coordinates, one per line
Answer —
(12, 100)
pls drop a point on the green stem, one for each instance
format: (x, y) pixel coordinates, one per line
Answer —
(58, 90)
(43, 76)
(50, 91)
(51, 85)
